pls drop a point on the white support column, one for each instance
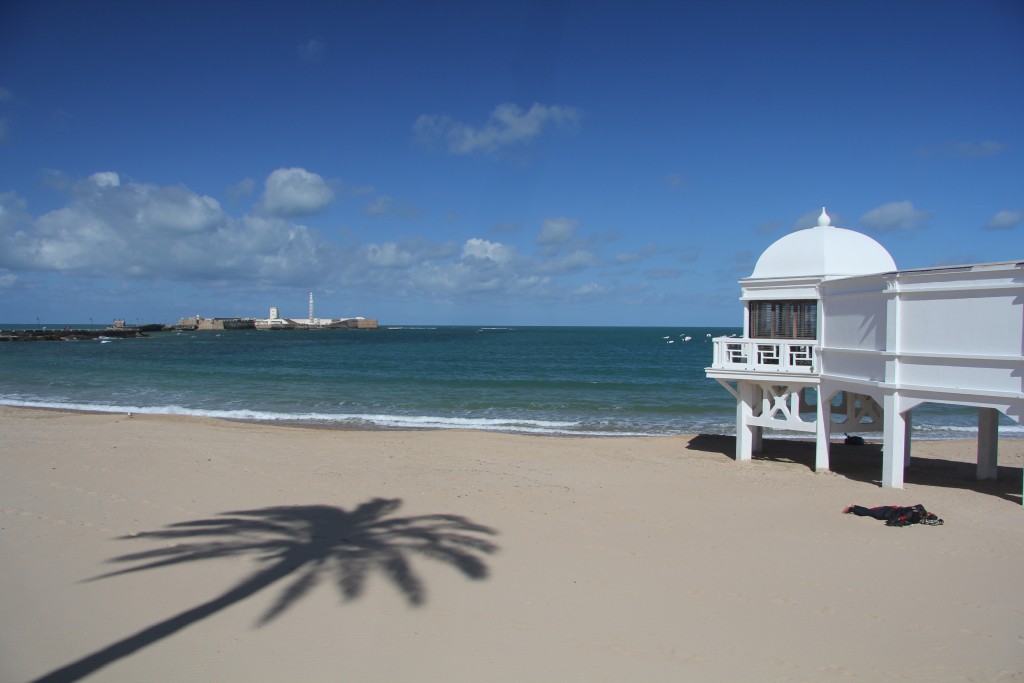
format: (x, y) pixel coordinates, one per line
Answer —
(894, 435)
(988, 443)
(908, 419)
(757, 435)
(823, 433)
(744, 431)
(894, 426)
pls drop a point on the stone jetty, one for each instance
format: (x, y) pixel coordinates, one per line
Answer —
(69, 334)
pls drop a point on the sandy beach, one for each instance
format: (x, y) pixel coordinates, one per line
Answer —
(153, 548)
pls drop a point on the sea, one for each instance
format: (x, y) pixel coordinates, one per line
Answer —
(571, 381)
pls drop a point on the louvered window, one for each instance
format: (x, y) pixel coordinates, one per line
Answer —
(784, 319)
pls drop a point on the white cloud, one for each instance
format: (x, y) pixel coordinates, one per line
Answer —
(54, 179)
(68, 239)
(557, 231)
(505, 229)
(243, 188)
(389, 255)
(591, 289)
(386, 205)
(392, 256)
(479, 267)
(380, 206)
(507, 125)
(645, 253)
(895, 217)
(176, 209)
(295, 192)
(625, 258)
(570, 263)
(484, 249)
(105, 179)
(471, 277)
(111, 226)
(272, 250)
(12, 208)
(1004, 220)
(114, 228)
(147, 208)
(809, 220)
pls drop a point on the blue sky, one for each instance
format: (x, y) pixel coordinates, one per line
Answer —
(513, 163)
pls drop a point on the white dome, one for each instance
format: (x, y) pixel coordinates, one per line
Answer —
(824, 251)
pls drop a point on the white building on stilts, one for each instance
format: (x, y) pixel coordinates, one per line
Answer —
(836, 338)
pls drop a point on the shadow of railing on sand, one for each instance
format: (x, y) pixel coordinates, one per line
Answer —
(864, 463)
(304, 541)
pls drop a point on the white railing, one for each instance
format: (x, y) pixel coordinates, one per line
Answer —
(766, 355)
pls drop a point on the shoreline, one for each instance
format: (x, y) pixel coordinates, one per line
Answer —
(655, 559)
(363, 425)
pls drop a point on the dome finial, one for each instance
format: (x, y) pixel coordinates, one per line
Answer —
(823, 219)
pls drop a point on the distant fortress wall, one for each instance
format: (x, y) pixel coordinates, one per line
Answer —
(276, 322)
(315, 324)
(199, 323)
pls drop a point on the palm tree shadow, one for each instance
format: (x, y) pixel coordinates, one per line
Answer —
(305, 543)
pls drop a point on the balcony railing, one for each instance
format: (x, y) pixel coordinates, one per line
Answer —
(798, 356)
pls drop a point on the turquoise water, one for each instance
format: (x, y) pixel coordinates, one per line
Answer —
(551, 380)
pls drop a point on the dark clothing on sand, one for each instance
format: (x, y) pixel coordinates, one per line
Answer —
(894, 515)
(883, 512)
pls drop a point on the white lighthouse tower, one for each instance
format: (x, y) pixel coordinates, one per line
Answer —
(835, 337)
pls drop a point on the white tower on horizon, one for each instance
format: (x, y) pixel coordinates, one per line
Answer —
(311, 308)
